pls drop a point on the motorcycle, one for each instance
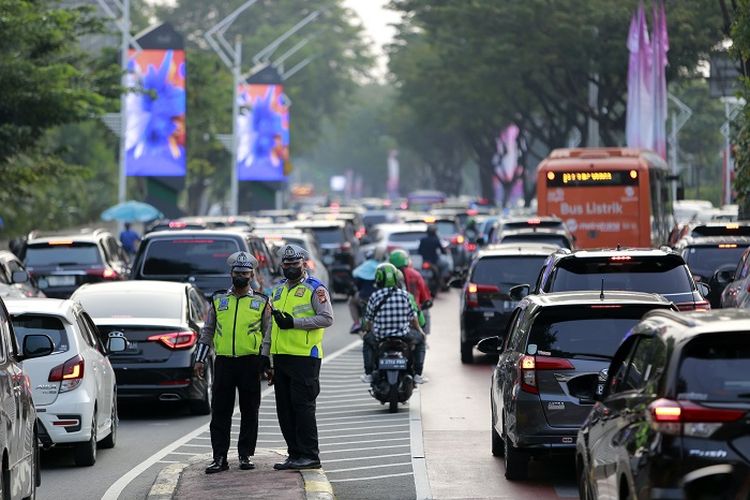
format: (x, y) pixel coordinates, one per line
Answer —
(392, 381)
(431, 276)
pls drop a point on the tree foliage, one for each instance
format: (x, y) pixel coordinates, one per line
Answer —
(531, 62)
(46, 81)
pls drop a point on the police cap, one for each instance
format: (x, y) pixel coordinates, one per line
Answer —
(241, 261)
(293, 253)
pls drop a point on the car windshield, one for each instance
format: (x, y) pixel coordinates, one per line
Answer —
(51, 326)
(329, 235)
(549, 239)
(446, 228)
(410, 237)
(189, 256)
(507, 271)
(581, 330)
(636, 275)
(705, 260)
(714, 368)
(63, 254)
(129, 304)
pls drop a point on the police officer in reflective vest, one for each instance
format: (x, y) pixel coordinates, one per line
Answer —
(301, 311)
(238, 327)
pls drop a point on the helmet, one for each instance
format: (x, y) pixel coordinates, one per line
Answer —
(385, 275)
(400, 279)
(399, 258)
(432, 229)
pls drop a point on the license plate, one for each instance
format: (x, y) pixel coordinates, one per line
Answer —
(509, 304)
(61, 280)
(489, 314)
(393, 363)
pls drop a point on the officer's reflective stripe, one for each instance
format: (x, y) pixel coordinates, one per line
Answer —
(301, 309)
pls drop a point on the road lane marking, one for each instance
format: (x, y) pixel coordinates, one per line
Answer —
(360, 442)
(418, 461)
(367, 458)
(365, 427)
(367, 467)
(366, 448)
(369, 434)
(114, 491)
(370, 478)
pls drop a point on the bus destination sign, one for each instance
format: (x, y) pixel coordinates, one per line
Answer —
(592, 178)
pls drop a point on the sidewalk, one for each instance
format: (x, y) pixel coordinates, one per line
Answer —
(188, 481)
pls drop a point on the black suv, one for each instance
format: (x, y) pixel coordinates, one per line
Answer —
(338, 245)
(200, 257)
(485, 303)
(62, 262)
(553, 355)
(713, 260)
(638, 270)
(675, 406)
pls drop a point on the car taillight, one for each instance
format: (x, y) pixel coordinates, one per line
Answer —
(700, 305)
(106, 273)
(473, 290)
(361, 232)
(685, 417)
(426, 265)
(457, 240)
(346, 246)
(69, 374)
(176, 340)
(470, 247)
(528, 366)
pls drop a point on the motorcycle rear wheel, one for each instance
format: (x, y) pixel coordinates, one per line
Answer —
(393, 400)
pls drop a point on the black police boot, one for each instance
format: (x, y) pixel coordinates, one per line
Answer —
(245, 463)
(304, 463)
(218, 465)
(283, 465)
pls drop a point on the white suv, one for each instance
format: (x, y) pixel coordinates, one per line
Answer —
(74, 388)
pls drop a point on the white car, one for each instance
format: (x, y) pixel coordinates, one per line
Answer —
(74, 387)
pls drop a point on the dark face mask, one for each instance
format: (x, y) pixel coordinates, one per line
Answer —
(239, 282)
(292, 273)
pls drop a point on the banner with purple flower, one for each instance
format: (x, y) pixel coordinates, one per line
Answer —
(262, 133)
(155, 135)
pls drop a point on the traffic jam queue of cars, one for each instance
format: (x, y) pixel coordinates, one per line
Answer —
(624, 358)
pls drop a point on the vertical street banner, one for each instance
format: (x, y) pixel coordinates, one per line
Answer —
(262, 132)
(393, 175)
(155, 107)
(508, 178)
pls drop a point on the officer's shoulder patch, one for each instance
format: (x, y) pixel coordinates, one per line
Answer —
(322, 295)
(277, 292)
(314, 282)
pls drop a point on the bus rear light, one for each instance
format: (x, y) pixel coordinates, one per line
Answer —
(620, 257)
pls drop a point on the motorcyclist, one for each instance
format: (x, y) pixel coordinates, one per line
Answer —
(415, 283)
(432, 251)
(364, 282)
(471, 232)
(390, 314)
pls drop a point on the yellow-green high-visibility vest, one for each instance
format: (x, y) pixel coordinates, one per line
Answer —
(238, 324)
(296, 301)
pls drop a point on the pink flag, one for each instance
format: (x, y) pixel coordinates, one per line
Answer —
(632, 119)
(660, 47)
(646, 83)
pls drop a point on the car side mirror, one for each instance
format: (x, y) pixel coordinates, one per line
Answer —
(518, 292)
(490, 345)
(456, 283)
(20, 277)
(703, 288)
(116, 342)
(36, 346)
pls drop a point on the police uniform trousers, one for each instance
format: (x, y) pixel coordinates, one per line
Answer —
(235, 374)
(297, 385)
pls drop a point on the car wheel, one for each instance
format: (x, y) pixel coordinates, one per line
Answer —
(467, 353)
(4, 482)
(84, 454)
(498, 447)
(203, 406)
(516, 460)
(35, 475)
(111, 440)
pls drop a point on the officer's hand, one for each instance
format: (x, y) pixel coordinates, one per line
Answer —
(283, 319)
(268, 372)
(426, 304)
(199, 368)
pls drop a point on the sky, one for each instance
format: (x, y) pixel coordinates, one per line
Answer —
(376, 20)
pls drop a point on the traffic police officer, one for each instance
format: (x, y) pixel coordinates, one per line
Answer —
(301, 311)
(238, 327)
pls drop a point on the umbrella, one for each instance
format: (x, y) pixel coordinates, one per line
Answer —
(132, 211)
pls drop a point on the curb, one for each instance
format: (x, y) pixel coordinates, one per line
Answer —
(317, 486)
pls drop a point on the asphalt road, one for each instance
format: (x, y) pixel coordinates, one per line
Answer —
(442, 434)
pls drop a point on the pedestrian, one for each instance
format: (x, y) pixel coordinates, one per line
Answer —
(301, 312)
(129, 240)
(238, 327)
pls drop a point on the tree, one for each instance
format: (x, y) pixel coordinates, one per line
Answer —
(531, 63)
(46, 81)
